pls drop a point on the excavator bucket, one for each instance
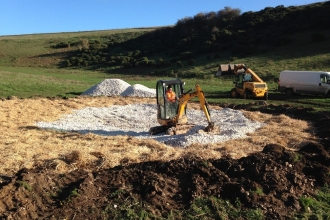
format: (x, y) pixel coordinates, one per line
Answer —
(211, 128)
(226, 69)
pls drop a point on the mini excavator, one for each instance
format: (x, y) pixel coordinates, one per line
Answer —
(172, 115)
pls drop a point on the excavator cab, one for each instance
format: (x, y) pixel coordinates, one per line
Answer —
(241, 78)
(165, 109)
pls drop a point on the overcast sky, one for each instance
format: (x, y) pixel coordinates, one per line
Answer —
(52, 16)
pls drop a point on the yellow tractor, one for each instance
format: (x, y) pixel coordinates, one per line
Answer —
(172, 116)
(247, 83)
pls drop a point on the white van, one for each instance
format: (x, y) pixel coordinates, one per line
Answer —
(304, 82)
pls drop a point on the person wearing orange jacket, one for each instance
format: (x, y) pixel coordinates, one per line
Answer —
(170, 94)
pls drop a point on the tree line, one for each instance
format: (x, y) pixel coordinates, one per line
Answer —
(205, 34)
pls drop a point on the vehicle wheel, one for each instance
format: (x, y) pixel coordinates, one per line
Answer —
(246, 94)
(233, 93)
(288, 92)
(266, 95)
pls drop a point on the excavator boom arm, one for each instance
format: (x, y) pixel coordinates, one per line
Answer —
(233, 69)
(255, 77)
(202, 101)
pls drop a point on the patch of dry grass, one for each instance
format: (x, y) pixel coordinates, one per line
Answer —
(24, 145)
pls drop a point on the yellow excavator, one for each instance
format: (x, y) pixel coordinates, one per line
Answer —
(247, 83)
(172, 116)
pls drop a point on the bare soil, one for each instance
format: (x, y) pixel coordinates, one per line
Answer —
(54, 175)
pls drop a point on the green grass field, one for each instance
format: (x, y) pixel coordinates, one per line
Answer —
(24, 82)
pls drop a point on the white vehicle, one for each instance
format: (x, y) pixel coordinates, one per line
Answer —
(304, 82)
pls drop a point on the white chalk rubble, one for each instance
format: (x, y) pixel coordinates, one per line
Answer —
(118, 87)
(136, 119)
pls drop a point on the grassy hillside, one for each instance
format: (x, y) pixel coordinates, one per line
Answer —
(47, 50)
(267, 41)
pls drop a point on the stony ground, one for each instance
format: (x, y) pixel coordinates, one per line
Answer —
(159, 187)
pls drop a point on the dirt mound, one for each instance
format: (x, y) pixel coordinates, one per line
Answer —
(272, 180)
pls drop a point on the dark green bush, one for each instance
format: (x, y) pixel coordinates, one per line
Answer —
(317, 37)
(179, 63)
(187, 55)
(191, 62)
(231, 59)
(68, 63)
(61, 45)
(281, 41)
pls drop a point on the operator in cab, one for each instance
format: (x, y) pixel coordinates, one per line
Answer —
(170, 94)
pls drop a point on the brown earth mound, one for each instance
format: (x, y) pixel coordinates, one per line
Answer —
(272, 181)
(159, 187)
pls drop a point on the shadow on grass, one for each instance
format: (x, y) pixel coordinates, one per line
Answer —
(218, 95)
(74, 93)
